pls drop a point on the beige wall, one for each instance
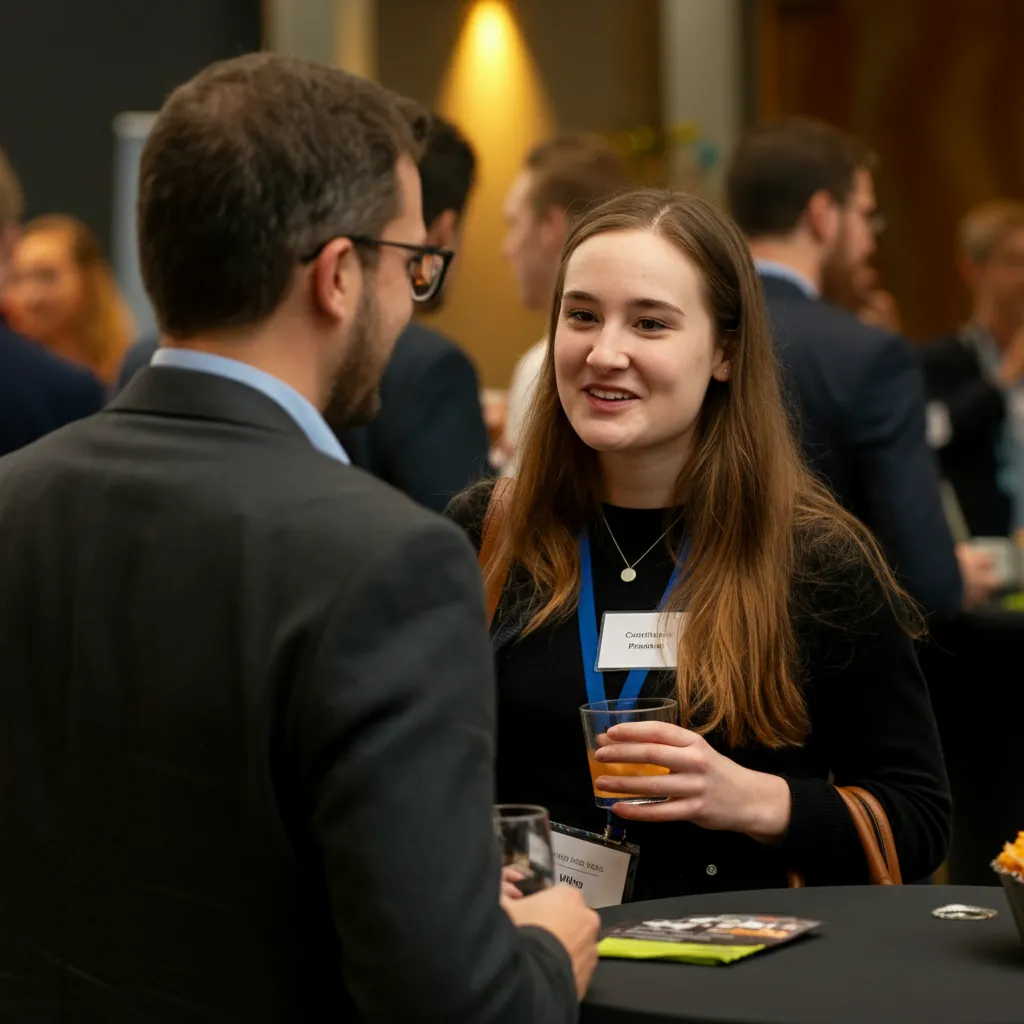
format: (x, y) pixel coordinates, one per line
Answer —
(702, 73)
(557, 64)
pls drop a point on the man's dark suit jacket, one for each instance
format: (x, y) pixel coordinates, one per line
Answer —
(39, 391)
(977, 416)
(135, 359)
(429, 439)
(246, 734)
(858, 395)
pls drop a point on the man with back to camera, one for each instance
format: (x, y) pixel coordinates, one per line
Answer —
(429, 439)
(39, 391)
(560, 179)
(803, 193)
(975, 375)
(246, 759)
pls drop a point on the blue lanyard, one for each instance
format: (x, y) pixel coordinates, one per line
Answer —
(586, 614)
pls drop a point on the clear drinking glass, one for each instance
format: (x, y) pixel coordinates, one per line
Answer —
(599, 717)
(524, 838)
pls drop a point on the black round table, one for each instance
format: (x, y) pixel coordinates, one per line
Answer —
(878, 956)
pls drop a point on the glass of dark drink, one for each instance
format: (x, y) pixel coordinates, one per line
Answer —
(523, 832)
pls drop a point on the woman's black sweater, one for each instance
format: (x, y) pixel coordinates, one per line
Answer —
(871, 724)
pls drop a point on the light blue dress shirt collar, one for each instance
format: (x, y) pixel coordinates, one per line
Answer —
(299, 408)
(772, 268)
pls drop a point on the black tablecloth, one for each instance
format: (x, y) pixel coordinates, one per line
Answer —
(974, 671)
(879, 956)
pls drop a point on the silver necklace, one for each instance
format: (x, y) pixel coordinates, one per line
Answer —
(629, 573)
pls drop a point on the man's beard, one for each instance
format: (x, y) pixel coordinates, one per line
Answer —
(839, 282)
(355, 391)
(844, 282)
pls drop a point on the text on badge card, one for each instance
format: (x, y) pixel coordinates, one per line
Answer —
(601, 870)
(639, 640)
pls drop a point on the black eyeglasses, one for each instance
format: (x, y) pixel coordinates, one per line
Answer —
(427, 265)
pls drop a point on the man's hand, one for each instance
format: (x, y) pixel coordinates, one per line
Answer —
(979, 574)
(509, 889)
(562, 912)
(879, 309)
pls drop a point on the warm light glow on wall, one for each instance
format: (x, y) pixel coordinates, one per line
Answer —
(491, 30)
(493, 92)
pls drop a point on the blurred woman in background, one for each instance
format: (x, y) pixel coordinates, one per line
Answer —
(62, 293)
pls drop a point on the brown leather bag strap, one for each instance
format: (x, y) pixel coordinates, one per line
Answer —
(875, 834)
(490, 541)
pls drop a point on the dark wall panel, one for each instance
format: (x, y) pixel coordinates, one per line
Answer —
(934, 87)
(67, 67)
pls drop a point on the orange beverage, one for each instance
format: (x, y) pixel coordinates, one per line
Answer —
(622, 768)
(601, 716)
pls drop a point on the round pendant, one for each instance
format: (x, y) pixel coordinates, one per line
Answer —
(628, 574)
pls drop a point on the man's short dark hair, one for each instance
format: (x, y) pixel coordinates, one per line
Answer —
(447, 170)
(778, 167)
(574, 173)
(251, 165)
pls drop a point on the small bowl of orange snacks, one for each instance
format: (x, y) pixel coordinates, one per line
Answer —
(1009, 865)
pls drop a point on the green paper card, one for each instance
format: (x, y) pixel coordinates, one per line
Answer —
(701, 938)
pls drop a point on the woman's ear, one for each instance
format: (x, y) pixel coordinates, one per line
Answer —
(721, 368)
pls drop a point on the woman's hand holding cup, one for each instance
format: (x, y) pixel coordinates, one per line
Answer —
(702, 785)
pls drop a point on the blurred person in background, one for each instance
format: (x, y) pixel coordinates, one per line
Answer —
(429, 439)
(976, 375)
(560, 180)
(39, 391)
(803, 193)
(63, 294)
(247, 712)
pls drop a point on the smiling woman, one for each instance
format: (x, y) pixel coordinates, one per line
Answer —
(659, 442)
(635, 351)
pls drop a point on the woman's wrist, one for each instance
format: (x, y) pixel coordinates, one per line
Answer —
(770, 807)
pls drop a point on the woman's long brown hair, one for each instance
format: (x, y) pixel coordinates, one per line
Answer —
(746, 492)
(106, 323)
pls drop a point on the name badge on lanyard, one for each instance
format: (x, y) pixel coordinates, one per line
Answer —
(602, 869)
(637, 641)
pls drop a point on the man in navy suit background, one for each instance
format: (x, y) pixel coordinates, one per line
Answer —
(803, 193)
(429, 439)
(39, 391)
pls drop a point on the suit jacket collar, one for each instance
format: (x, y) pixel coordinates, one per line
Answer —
(780, 287)
(168, 391)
